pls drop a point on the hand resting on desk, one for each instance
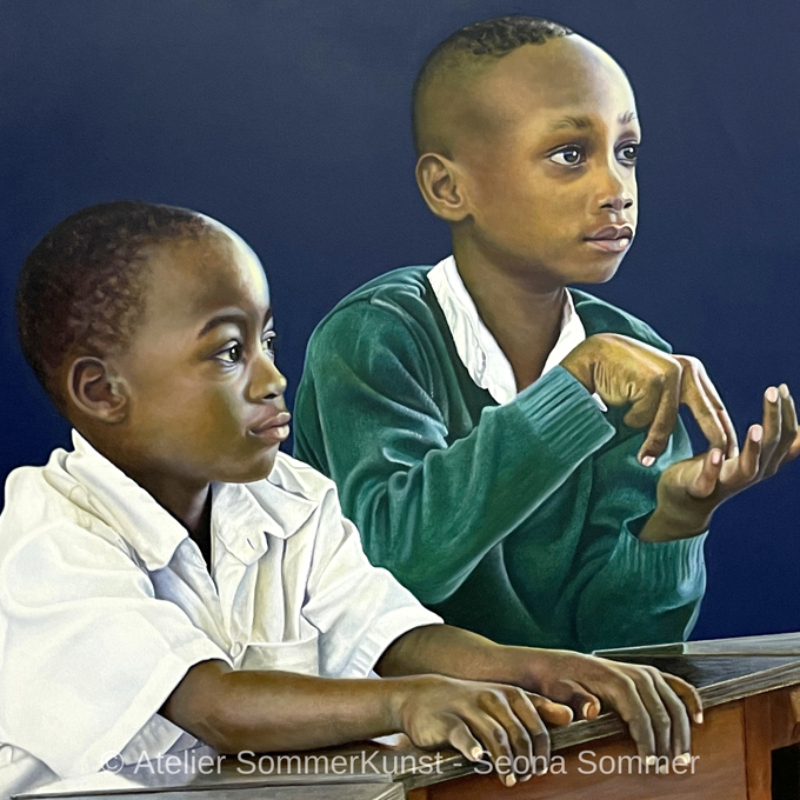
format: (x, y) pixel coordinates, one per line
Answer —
(487, 698)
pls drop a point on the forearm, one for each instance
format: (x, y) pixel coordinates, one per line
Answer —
(279, 711)
(462, 654)
(431, 516)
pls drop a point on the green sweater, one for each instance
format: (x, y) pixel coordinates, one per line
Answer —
(518, 521)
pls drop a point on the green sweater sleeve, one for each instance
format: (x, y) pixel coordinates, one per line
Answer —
(633, 592)
(429, 509)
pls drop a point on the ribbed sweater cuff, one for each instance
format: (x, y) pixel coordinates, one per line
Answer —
(661, 566)
(564, 416)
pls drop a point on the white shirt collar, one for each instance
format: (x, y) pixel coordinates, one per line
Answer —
(478, 350)
(242, 515)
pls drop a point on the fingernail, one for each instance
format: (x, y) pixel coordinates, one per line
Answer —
(772, 394)
(716, 457)
(698, 717)
(756, 432)
(684, 758)
(586, 710)
(648, 461)
(476, 753)
(650, 761)
(663, 769)
(510, 780)
(529, 776)
(784, 390)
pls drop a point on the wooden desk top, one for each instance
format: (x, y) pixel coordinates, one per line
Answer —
(723, 671)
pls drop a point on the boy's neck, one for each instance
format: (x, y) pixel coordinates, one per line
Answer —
(191, 506)
(188, 502)
(524, 318)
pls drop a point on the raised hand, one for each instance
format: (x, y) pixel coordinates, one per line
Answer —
(622, 370)
(690, 491)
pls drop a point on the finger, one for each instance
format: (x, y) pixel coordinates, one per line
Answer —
(550, 712)
(696, 396)
(461, 738)
(680, 727)
(789, 428)
(660, 718)
(518, 737)
(583, 703)
(706, 480)
(722, 412)
(772, 427)
(494, 741)
(664, 420)
(688, 695)
(748, 461)
(529, 708)
(625, 699)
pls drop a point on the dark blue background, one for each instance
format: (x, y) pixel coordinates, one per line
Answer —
(288, 121)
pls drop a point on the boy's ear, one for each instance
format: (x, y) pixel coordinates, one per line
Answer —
(96, 390)
(443, 186)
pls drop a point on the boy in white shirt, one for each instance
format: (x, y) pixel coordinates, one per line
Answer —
(175, 577)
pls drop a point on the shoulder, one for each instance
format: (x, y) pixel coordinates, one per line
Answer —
(399, 300)
(48, 510)
(599, 316)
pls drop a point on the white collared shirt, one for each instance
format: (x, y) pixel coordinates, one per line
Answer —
(478, 350)
(105, 603)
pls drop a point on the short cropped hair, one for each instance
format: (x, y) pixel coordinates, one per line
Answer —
(492, 38)
(82, 289)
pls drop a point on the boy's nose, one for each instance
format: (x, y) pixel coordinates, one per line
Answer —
(266, 381)
(616, 192)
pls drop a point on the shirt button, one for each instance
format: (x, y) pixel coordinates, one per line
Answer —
(237, 649)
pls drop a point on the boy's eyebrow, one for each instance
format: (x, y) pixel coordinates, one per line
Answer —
(234, 316)
(572, 122)
(582, 123)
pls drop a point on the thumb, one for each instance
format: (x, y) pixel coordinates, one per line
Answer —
(551, 712)
(706, 477)
(583, 703)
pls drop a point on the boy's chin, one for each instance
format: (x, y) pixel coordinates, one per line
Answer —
(600, 273)
(256, 471)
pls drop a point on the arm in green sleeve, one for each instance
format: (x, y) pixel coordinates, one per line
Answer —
(429, 510)
(649, 592)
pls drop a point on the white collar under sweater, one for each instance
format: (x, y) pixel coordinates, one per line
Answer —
(477, 348)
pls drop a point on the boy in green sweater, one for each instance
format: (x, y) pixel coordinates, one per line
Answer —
(454, 405)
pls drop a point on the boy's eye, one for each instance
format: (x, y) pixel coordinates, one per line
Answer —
(628, 153)
(268, 343)
(231, 354)
(568, 156)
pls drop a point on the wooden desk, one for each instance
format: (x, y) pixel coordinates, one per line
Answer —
(750, 689)
(751, 692)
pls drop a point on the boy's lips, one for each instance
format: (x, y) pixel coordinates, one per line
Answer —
(611, 238)
(274, 428)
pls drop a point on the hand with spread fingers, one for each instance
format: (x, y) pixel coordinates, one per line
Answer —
(690, 491)
(624, 371)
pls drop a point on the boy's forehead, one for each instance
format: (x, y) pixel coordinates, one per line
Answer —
(568, 76)
(192, 278)
(566, 71)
